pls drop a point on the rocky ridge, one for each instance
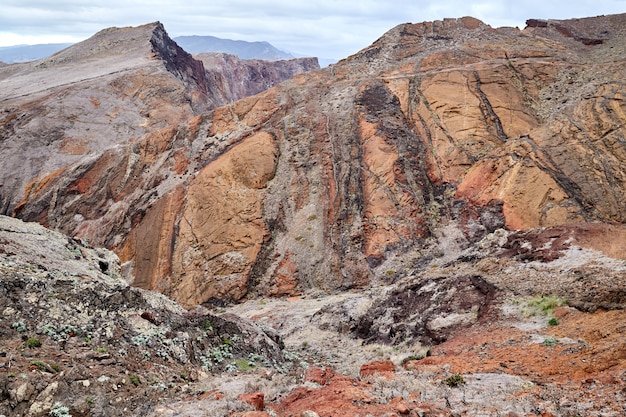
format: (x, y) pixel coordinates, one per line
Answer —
(114, 90)
(438, 220)
(437, 123)
(231, 78)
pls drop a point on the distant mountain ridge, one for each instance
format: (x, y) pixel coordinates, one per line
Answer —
(192, 44)
(243, 49)
(24, 53)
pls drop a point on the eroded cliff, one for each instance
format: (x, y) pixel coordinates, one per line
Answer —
(322, 181)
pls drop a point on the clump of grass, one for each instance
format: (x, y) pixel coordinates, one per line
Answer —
(553, 322)
(33, 342)
(544, 305)
(135, 380)
(424, 352)
(453, 381)
(244, 364)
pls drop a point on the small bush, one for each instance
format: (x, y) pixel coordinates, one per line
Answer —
(553, 322)
(135, 380)
(550, 341)
(455, 380)
(40, 366)
(19, 326)
(33, 342)
(208, 326)
(59, 410)
(244, 364)
(544, 305)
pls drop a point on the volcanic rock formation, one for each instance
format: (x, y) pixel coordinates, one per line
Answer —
(320, 181)
(467, 182)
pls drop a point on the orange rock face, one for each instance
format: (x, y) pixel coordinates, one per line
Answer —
(222, 227)
(316, 182)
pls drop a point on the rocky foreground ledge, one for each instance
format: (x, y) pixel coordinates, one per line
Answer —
(487, 330)
(74, 334)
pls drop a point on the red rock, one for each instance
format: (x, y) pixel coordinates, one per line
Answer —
(252, 414)
(255, 399)
(384, 368)
(218, 395)
(318, 375)
(400, 406)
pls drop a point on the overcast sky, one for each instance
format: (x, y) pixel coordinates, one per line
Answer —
(322, 28)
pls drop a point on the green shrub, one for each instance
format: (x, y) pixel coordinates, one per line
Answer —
(59, 410)
(553, 322)
(455, 380)
(135, 380)
(544, 305)
(550, 341)
(244, 364)
(19, 326)
(33, 342)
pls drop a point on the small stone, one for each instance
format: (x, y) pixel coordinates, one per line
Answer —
(255, 399)
(309, 413)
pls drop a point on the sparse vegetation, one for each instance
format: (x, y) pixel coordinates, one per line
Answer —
(59, 410)
(19, 326)
(135, 380)
(550, 341)
(40, 366)
(453, 381)
(33, 342)
(553, 322)
(543, 305)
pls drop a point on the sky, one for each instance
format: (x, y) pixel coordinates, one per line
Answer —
(323, 28)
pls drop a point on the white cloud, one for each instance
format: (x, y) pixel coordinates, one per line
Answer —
(324, 28)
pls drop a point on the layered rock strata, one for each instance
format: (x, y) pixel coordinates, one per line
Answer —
(322, 181)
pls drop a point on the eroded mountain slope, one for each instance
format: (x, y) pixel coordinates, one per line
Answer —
(322, 181)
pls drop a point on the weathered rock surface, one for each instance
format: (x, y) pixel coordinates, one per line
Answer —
(447, 122)
(230, 78)
(74, 332)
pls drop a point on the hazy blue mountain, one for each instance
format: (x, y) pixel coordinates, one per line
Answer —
(192, 44)
(243, 49)
(23, 53)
